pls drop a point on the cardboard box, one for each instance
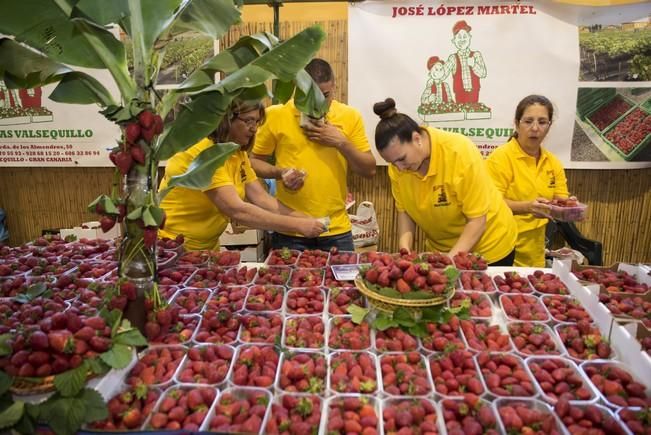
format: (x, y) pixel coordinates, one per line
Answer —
(92, 231)
(250, 254)
(635, 270)
(370, 248)
(238, 235)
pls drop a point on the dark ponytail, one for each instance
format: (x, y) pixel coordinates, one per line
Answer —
(392, 124)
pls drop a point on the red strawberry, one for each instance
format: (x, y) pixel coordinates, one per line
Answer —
(138, 154)
(146, 119)
(96, 323)
(132, 132)
(122, 212)
(61, 341)
(100, 344)
(39, 341)
(132, 418)
(149, 236)
(123, 161)
(158, 124)
(113, 154)
(148, 134)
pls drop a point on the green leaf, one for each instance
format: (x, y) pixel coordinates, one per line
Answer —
(383, 322)
(202, 168)
(80, 88)
(452, 274)
(283, 90)
(209, 17)
(71, 382)
(97, 366)
(432, 314)
(112, 318)
(11, 415)
(420, 294)
(418, 330)
(389, 292)
(308, 97)
(96, 409)
(101, 12)
(402, 314)
(136, 213)
(5, 380)
(132, 337)
(26, 68)
(118, 357)
(148, 217)
(358, 313)
(26, 424)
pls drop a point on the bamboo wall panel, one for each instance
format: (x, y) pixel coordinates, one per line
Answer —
(620, 201)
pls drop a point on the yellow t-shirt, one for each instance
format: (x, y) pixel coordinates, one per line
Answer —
(191, 212)
(519, 178)
(455, 187)
(324, 191)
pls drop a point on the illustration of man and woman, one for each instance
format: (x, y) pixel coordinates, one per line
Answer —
(465, 66)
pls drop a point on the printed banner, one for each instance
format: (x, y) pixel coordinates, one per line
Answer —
(463, 66)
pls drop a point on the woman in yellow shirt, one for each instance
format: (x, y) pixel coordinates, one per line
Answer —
(202, 215)
(529, 176)
(439, 182)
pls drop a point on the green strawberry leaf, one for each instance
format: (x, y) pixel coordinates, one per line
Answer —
(452, 273)
(11, 415)
(96, 409)
(383, 322)
(358, 313)
(70, 382)
(5, 348)
(97, 366)
(432, 314)
(388, 292)
(131, 337)
(136, 213)
(117, 356)
(418, 330)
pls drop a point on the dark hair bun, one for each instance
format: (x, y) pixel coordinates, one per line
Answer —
(385, 109)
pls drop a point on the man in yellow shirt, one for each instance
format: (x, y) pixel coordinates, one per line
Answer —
(439, 183)
(323, 152)
(202, 215)
(528, 176)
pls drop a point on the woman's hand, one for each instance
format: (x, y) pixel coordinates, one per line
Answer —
(540, 208)
(293, 178)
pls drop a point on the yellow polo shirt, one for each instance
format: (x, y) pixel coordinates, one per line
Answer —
(519, 178)
(455, 187)
(191, 212)
(324, 191)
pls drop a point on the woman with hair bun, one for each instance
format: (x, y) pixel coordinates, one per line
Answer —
(439, 182)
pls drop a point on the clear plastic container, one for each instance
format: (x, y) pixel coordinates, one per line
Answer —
(543, 329)
(537, 311)
(268, 365)
(140, 373)
(478, 345)
(369, 383)
(488, 372)
(421, 374)
(604, 369)
(184, 336)
(476, 411)
(437, 260)
(191, 300)
(406, 404)
(519, 284)
(553, 303)
(363, 335)
(200, 419)
(230, 298)
(433, 343)
(217, 364)
(557, 328)
(633, 420)
(291, 257)
(286, 402)
(338, 305)
(265, 298)
(481, 306)
(463, 373)
(605, 413)
(568, 214)
(571, 365)
(305, 303)
(529, 404)
(260, 328)
(147, 404)
(395, 339)
(306, 277)
(204, 277)
(255, 396)
(304, 332)
(287, 379)
(547, 283)
(237, 276)
(343, 257)
(273, 275)
(474, 280)
(335, 406)
(322, 259)
(217, 328)
(166, 259)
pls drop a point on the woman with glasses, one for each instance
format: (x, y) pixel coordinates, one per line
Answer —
(529, 176)
(202, 215)
(439, 182)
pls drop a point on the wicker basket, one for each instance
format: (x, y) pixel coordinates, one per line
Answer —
(30, 386)
(389, 305)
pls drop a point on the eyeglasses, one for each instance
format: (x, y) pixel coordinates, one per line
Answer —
(542, 123)
(250, 122)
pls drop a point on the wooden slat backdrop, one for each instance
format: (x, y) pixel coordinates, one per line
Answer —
(620, 201)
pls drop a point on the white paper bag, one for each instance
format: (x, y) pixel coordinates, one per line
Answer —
(366, 231)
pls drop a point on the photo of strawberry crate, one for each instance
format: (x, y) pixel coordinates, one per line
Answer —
(608, 113)
(630, 134)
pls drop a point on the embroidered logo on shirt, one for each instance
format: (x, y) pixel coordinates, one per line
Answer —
(552, 179)
(441, 196)
(242, 172)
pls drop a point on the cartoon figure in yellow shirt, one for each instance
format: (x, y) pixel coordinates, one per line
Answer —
(529, 176)
(202, 215)
(439, 182)
(312, 161)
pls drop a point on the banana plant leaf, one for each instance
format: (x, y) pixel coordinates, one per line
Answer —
(203, 167)
(46, 26)
(210, 17)
(25, 68)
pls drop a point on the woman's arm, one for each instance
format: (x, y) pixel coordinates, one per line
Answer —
(256, 194)
(538, 207)
(406, 230)
(228, 202)
(470, 235)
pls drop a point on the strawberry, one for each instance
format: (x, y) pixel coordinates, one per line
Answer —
(123, 161)
(149, 236)
(146, 119)
(132, 418)
(100, 344)
(61, 341)
(158, 124)
(132, 132)
(138, 154)
(148, 134)
(39, 341)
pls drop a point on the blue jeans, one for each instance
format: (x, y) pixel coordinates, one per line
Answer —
(343, 242)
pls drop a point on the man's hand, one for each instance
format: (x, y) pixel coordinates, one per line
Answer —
(540, 208)
(293, 179)
(311, 227)
(325, 134)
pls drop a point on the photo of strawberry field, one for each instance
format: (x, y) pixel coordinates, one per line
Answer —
(276, 348)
